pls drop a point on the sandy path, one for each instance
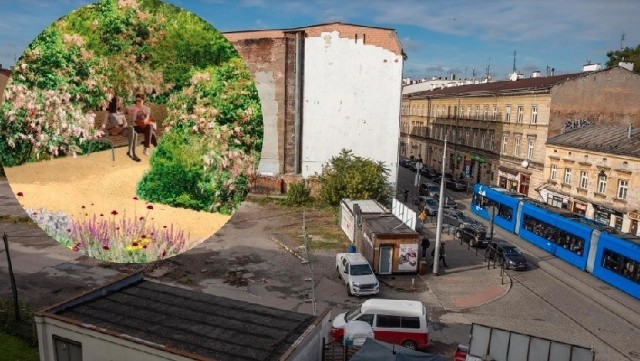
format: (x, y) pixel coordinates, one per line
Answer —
(102, 185)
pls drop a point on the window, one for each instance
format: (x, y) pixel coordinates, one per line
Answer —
(66, 350)
(409, 322)
(477, 112)
(622, 188)
(516, 146)
(466, 137)
(584, 180)
(520, 113)
(552, 233)
(602, 183)
(491, 140)
(485, 115)
(534, 114)
(622, 265)
(388, 321)
(483, 138)
(530, 147)
(366, 317)
(554, 172)
(567, 176)
(475, 138)
(469, 112)
(505, 142)
(495, 112)
(507, 113)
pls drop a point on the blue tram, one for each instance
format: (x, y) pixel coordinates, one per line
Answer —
(598, 249)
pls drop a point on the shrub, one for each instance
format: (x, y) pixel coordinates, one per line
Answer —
(298, 194)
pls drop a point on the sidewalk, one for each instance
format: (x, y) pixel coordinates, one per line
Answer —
(464, 283)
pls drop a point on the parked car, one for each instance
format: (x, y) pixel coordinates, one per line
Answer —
(459, 219)
(506, 254)
(428, 204)
(449, 202)
(456, 184)
(427, 189)
(476, 236)
(405, 163)
(446, 176)
(357, 274)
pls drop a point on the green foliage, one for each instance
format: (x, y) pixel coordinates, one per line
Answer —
(354, 177)
(13, 348)
(177, 175)
(298, 194)
(23, 329)
(627, 54)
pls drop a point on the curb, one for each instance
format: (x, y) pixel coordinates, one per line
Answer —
(288, 249)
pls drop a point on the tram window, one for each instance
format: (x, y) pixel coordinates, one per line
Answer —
(621, 265)
(554, 234)
(504, 211)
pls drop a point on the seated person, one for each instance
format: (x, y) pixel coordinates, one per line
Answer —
(117, 125)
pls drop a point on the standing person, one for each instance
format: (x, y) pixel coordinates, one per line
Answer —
(425, 245)
(117, 125)
(140, 116)
(442, 254)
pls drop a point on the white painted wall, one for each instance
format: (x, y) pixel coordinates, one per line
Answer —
(96, 346)
(265, 84)
(352, 95)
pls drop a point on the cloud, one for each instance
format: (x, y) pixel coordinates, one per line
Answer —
(409, 44)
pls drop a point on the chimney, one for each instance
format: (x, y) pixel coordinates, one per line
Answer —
(453, 77)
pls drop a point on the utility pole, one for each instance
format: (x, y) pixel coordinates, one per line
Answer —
(436, 253)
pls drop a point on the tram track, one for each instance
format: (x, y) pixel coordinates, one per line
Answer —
(596, 300)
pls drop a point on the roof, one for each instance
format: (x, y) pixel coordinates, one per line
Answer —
(394, 307)
(187, 321)
(375, 350)
(388, 224)
(366, 205)
(500, 87)
(5, 72)
(612, 139)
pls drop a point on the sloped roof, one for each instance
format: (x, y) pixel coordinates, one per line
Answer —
(500, 87)
(190, 322)
(612, 139)
(5, 72)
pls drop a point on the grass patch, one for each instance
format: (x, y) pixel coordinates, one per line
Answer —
(23, 329)
(16, 219)
(16, 349)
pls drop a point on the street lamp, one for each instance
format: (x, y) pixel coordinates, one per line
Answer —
(436, 253)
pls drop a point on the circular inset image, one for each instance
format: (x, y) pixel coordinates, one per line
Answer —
(130, 130)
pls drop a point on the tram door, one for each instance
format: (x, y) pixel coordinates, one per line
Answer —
(384, 267)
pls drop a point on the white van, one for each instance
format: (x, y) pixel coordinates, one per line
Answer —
(401, 322)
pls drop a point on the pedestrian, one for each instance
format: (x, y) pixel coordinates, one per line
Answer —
(406, 194)
(441, 256)
(425, 245)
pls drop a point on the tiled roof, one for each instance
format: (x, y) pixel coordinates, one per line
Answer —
(500, 87)
(6, 72)
(188, 321)
(612, 139)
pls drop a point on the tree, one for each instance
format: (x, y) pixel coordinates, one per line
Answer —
(349, 176)
(631, 55)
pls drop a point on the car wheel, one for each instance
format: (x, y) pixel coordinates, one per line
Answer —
(409, 344)
(339, 275)
(458, 234)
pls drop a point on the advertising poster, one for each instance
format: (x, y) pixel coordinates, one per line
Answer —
(408, 260)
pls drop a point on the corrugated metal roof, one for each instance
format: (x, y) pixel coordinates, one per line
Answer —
(193, 322)
(612, 139)
(507, 86)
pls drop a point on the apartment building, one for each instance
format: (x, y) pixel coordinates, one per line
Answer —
(594, 171)
(496, 132)
(323, 88)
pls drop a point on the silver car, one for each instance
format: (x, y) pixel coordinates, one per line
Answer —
(428, 204)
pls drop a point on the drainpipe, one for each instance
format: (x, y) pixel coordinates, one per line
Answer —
(297, 167)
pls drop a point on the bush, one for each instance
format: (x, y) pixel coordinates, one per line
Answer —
(298, 194)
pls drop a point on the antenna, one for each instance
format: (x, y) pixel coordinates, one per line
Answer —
(488, 69)
(514, 61)
(621, 40)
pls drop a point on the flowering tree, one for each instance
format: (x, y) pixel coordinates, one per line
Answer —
(213, 143)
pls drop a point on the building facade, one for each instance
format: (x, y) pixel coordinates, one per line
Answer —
(594, 172)
(324, 88)
(496, 132)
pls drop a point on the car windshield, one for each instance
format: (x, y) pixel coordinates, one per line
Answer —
(511, 251)
(468, 219)
(361, 269)
(352, 314)
(433, 188)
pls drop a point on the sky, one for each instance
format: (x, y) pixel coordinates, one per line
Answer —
(440, 38)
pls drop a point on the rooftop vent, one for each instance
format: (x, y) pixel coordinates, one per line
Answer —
(535, 74)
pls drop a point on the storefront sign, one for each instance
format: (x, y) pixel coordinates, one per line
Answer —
(634, 215)
(607, 210)
(478, 158)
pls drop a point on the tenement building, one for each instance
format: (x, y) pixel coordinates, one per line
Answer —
(594, 171)
(324, 88)
(497, 132)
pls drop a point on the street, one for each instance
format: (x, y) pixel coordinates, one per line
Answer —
(553, 300)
